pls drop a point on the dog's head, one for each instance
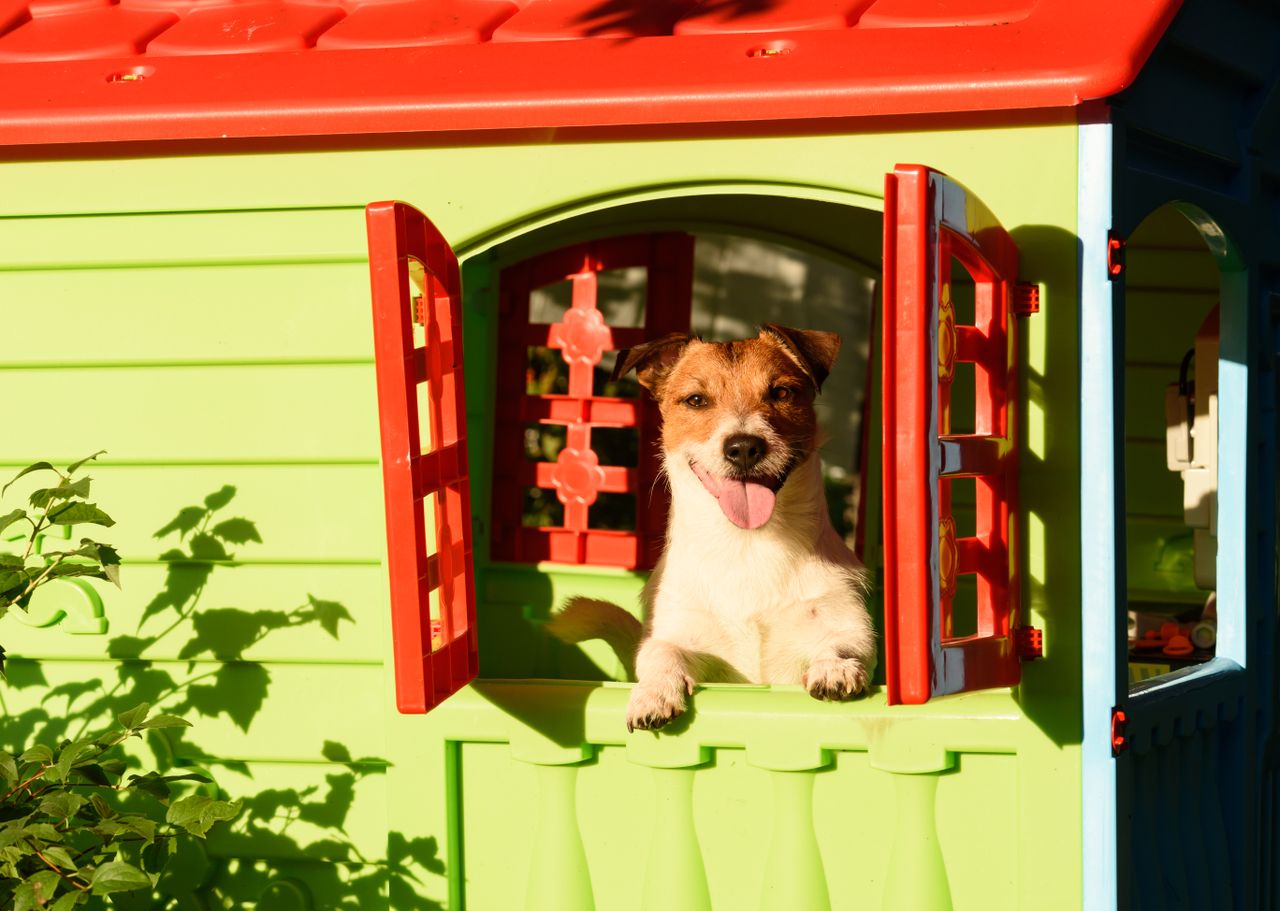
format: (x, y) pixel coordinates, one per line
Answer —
(740, 414)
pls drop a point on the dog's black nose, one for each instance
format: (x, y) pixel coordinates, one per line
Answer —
(744, 451)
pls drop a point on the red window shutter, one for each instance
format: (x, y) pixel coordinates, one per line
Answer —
(929, 219)
(415, 283)
(582, 337)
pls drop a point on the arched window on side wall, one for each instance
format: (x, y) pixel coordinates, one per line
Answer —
(1176, 455)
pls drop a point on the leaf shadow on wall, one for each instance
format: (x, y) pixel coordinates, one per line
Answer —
(289, 848)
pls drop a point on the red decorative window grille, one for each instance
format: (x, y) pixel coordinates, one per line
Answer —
(428, 498)
(582, 337)
(929, 221)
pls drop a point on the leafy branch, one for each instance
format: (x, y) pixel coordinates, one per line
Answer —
(64, 504)
(72, 825)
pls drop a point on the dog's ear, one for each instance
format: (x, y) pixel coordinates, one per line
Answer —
(815, 351)
(652, 361)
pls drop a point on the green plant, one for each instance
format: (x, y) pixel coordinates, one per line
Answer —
(62, 505)
(75, 823)
(72, 828)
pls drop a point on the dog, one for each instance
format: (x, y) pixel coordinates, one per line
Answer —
(754, 585)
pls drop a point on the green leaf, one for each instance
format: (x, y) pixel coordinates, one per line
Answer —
(71, 754)
(37, 466)
(38, 753)
(43, 830)
(118, 876)
(8, 768)
(24, 897)
(60, 856)
(42, 497)
(140, 825)
(197, 813)
(157, 785)
(71, 469)
(46, 883)
(11, 832)
(151, 783)
(9, 561)
(13, 582)
(80, 514)
(15, 516)
(164, 721)
(135, 716)
(66, 490)
(37, 891)
(67, 901)
(92, 773)
(155, 855)
(69, 570)
(107, 829)
(103, 808)
(220, 498)
(114, 767)
(61, 804)
(105, 554)
(237, 531)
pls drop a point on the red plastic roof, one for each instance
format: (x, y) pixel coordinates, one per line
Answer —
(111, 70)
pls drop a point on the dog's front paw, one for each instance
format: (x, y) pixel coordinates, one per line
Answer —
(654, 704)
(836, 678)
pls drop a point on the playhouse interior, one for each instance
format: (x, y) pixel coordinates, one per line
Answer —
(1171, 300)
(798, 262)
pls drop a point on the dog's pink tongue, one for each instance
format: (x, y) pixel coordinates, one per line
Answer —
(745, 503)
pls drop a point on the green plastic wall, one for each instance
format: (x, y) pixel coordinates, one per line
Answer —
(206, 321)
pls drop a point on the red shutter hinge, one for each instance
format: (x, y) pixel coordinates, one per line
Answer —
(1026, 298)
(1119, 732)
(1028, 642)
(1115, 255)
(420, 309)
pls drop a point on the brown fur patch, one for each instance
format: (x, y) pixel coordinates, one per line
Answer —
(738, 379)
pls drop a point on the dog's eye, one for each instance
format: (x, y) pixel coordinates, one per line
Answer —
(697, 400)
(781, 393)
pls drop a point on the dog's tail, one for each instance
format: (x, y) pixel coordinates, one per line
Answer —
(586, 618)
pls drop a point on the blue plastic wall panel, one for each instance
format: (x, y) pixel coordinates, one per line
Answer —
(1101, 527)
(1200, 128)
(1186, 846)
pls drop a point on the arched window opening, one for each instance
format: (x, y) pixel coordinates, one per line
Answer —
(1171, 453)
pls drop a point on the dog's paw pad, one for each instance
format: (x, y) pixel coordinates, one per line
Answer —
(836, 678)
(651, 707)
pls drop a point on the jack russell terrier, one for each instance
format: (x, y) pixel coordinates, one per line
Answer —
(754, 585)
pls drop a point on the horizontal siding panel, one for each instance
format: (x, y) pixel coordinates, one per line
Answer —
(297, 235)
(259, 613)
(240, 711)
(305, 812)
(213, 414)
(226, 314)
(310, 513)
(318, 884)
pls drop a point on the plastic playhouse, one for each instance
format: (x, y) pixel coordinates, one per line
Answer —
(1056, 428)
